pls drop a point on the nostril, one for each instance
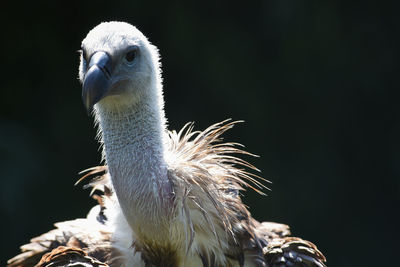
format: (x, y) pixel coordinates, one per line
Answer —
(106, 71)
(103, 61)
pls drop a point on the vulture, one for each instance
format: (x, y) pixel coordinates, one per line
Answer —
(165, 198)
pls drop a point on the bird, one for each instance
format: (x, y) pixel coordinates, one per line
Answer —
(165, 198)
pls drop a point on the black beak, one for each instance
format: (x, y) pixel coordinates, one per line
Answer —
(97, 80)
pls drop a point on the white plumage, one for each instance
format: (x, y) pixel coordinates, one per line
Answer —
(169, 199)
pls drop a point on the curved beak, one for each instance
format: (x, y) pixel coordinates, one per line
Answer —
(97, 80)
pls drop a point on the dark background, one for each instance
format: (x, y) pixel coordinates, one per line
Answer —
(315, 81)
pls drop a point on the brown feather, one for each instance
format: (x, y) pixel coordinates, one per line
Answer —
(207, 177)
(88, 234)
(68, 256)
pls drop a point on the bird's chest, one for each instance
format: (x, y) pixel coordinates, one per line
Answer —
(156, 254)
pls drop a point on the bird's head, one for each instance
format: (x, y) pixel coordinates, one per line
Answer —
(119, 67)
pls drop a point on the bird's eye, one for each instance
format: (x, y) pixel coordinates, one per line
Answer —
(130, 56)
(83, 53)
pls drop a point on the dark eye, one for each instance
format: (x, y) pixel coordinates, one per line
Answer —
(130, 56)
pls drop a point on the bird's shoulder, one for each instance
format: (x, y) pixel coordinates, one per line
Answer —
(90, 235)
(77, 234)
(208, 175)
(282, 249)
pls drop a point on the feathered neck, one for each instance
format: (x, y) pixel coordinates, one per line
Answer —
(134, 140)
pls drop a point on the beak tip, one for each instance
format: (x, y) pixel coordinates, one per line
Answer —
(87, 103)
(89, 110)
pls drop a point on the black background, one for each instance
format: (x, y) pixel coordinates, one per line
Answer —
(315, 81)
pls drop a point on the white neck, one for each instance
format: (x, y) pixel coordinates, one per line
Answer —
(134, 151)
